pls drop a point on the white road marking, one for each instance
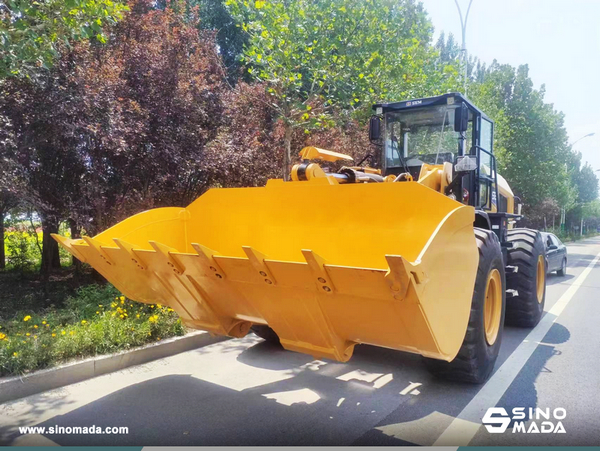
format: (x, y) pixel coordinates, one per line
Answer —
(460, 432)
(423, 430)
(410, 388)
(383, 380)
(340, 401)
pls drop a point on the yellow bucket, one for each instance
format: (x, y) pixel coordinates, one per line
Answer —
(327, 266)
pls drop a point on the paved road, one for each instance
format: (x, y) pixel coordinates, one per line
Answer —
(246, 392)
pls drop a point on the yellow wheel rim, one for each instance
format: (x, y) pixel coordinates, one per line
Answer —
(541, 278)
(492, 310)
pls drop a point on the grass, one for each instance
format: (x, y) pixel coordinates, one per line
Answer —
(96, 320)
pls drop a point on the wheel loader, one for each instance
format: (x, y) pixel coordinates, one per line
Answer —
(416, 251)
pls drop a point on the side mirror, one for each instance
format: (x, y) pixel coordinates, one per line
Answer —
(461, 118)
(374, 129)
(552, 247)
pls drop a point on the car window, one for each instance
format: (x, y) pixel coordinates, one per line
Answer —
(547, 240)
(556, 240)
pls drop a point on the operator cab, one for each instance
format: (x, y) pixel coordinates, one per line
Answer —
(439, 130)
(443, 130)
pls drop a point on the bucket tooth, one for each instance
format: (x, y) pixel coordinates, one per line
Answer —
(316, 263)
(208, 262)
(95, 244)
(165, 251)
(257, 260)
(128, 248)
(400, 274)
(67, 244)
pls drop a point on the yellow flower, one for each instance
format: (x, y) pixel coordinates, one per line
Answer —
(47, 325)
(35, 336)
(43, 322)
(62, 332)
(100, 305)
(169, 309)
(151, 306)
(97, 313)
(54, 335)
(83, 322)
(137, 316)
(28, 334)
(35, 326)
(15, 354)
(2, 336)
(157, 338)
(121, 316)
(153, 318)
(27, 318)
(72, 332)
(122, 298)
(159, 306)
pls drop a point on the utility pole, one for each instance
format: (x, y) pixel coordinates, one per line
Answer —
(463, 50)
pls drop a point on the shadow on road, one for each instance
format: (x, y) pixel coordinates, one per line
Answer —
(522, 393)
(364, 402)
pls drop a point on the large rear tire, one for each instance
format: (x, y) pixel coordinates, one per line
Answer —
(529, 256)
(479, 350)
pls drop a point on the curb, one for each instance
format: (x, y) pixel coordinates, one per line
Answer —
(16, 387)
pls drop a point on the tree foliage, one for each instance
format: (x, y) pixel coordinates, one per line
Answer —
(315, 56)
(32, 31)
(186, 95)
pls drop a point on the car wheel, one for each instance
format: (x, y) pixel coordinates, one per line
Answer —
(563, 269)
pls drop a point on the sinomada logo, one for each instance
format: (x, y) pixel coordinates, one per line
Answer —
(525, 420)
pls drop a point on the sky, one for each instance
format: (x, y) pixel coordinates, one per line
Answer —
(559, 40)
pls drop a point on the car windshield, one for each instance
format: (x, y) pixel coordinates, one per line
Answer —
(420, 135)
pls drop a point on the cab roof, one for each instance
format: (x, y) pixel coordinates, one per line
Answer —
(444, 99)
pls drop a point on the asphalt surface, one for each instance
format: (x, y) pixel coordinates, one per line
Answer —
(247, 392)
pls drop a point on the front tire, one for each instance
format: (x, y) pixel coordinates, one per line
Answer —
(479, 350)
(529, 256)
(266, 333)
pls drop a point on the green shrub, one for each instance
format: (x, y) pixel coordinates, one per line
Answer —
(21, 249)
(97, 320)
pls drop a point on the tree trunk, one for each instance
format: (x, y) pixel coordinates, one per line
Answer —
(287, 152)
(50, 256)
(75, 233)
(2, 253)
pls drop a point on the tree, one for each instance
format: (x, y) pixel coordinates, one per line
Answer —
(150, 102)
(318, 55)
(587, 184)
(230, 37)
(530, 137)
(32, 31)
(45, 159)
